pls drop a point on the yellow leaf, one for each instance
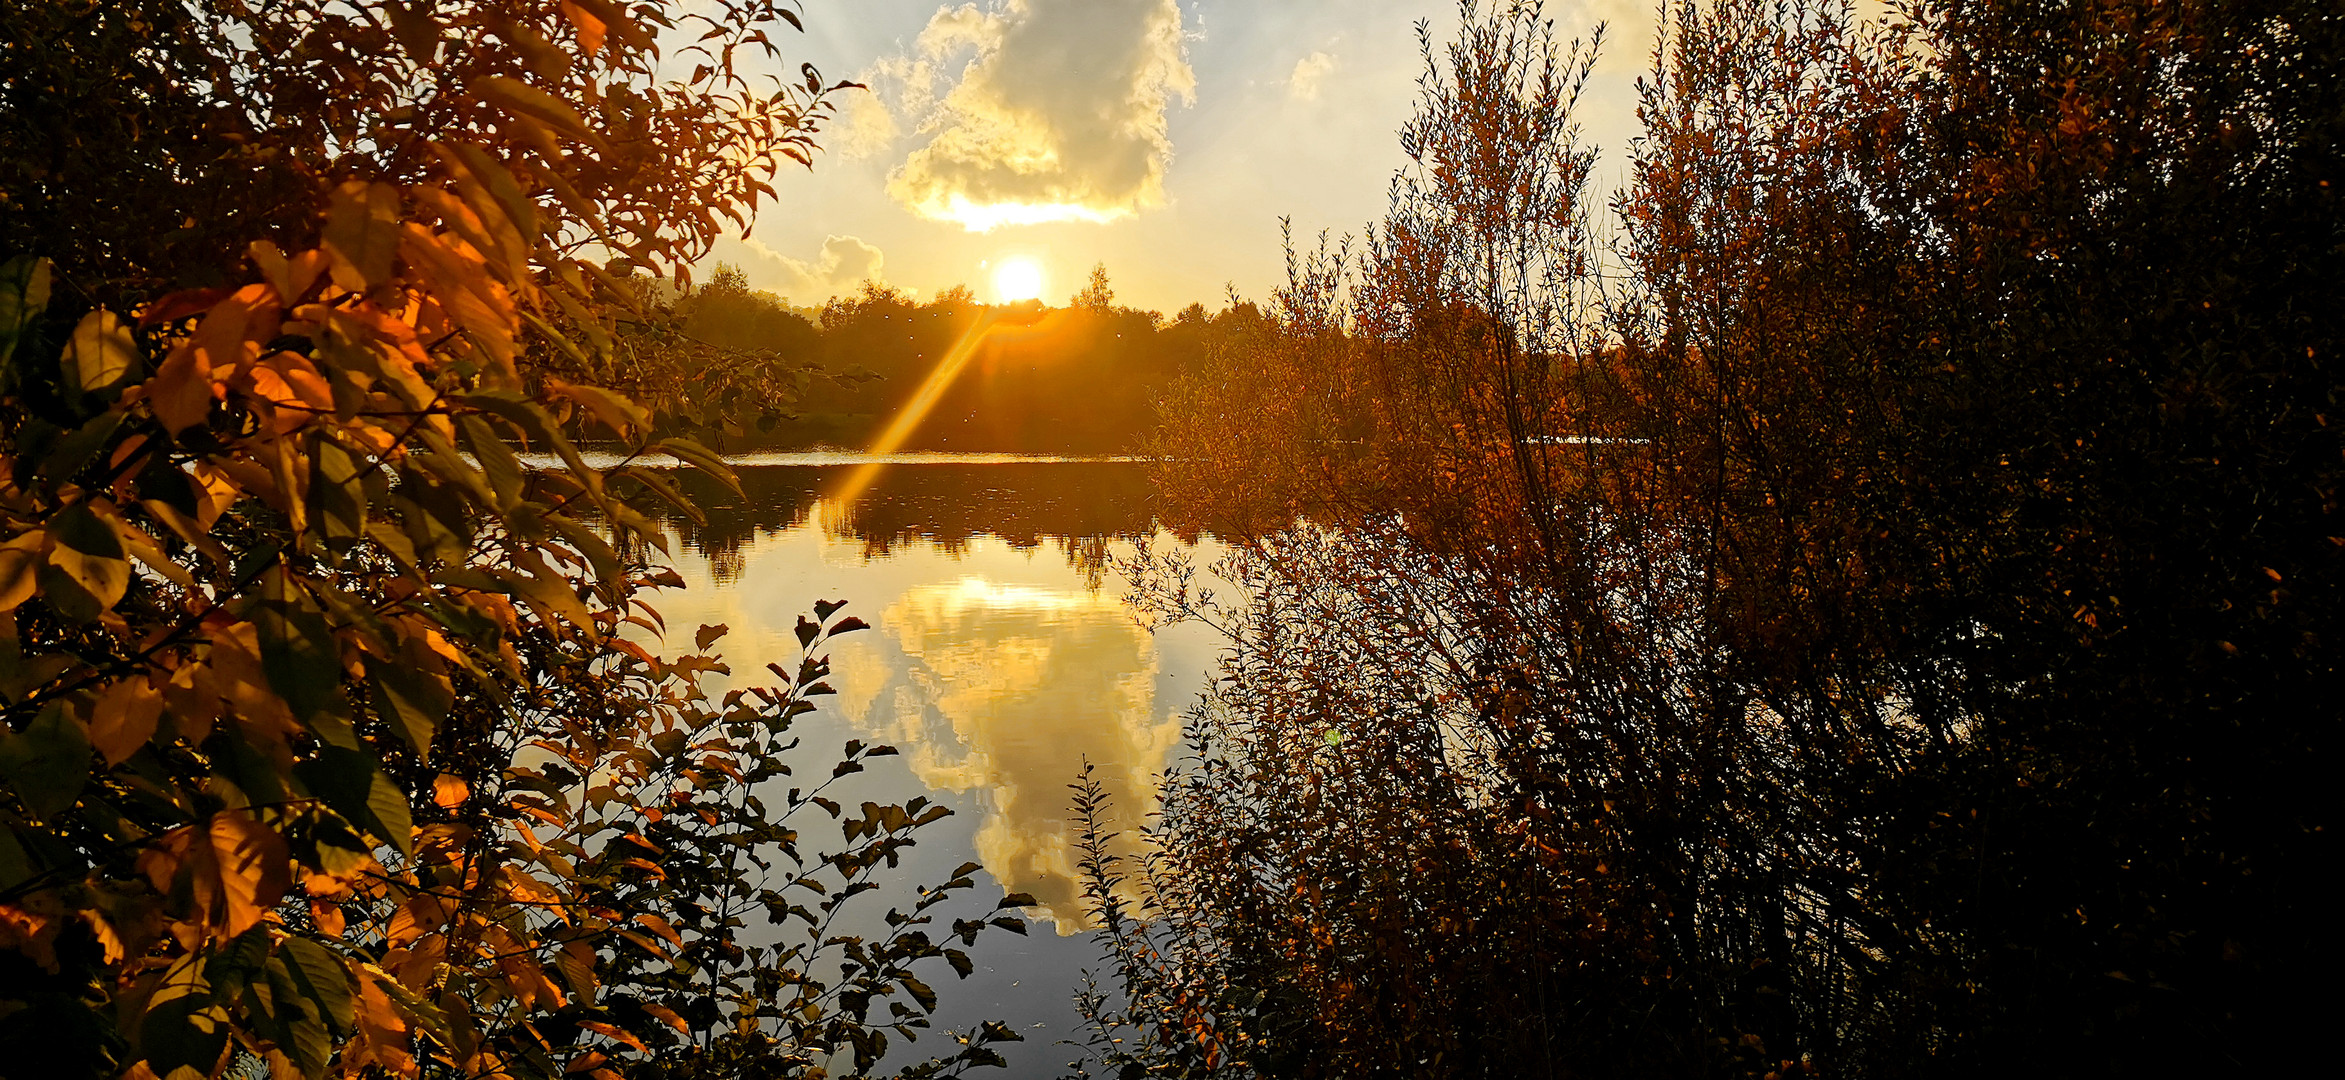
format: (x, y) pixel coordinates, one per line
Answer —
(522, 100)
(623, 417)
(90, 553)
(21, 560)
(361, 234)
(125, 718)
(101, 351)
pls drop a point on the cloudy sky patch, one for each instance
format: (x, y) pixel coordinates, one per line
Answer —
(1057, 112)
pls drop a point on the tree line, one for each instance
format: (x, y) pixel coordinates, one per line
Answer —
(1082, 378)
(1871, 611)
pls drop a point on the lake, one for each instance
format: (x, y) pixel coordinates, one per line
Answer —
(1001, 657)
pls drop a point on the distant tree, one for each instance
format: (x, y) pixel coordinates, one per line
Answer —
(1096, 296)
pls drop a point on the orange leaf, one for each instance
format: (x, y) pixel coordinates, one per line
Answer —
(255, 868)
(590, 29)
(125, 718)
(449, 790)
(382, 1032)
(667, 1016)
(181, 391)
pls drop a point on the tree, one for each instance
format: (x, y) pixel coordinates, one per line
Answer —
(336, 734)
(1873, 635)
(1096, 295)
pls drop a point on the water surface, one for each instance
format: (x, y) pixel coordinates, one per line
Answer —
(1001, 658)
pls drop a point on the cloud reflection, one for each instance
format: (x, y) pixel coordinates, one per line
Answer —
(1008, 689)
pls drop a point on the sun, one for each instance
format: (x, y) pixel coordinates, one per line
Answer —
(1017, 278)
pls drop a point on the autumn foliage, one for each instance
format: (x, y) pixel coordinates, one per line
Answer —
(342, 738)
(1876, 616)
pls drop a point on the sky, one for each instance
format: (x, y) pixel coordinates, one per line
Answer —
(1162, 138)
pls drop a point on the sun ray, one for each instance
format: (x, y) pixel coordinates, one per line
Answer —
(940, 377)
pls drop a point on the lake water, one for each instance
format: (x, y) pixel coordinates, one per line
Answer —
(1001, 657)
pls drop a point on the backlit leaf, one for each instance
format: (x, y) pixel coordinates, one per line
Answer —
(124, 718)
(361, 236)
(89, 554)
(101, 353)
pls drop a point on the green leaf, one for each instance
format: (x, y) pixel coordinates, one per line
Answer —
(298, 652)
(349, 781)
(412, 701)
(184, 1028)
(48, 763)
(24, 294)
(320, 975)
(337, 501)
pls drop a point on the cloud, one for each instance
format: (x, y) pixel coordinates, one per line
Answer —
(1009, 689)
(845, 263)
(1058, 114)
(1309, 72)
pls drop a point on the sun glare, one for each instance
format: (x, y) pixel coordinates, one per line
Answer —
(1017, 279)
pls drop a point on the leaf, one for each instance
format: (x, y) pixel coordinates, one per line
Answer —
(497, 461)
(101, 352)
(21, 560)
(321, 976)
(183, 1027)
(255, 868)
(589, 26)
(181, 391)
(299, 656)
(708, 635)
(413, 701)
(48, 762)
(24, 294)
(349, 781)
(361, 236)
(450, 790)
(699, 457)
(125, 717)
(528, 102)
(623, 417)
(337, 500)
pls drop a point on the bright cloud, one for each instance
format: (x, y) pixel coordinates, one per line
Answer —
(1309, 72)
(844, 264)
(1057, 115)
(1009, 689)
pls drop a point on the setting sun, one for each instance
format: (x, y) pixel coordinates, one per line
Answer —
(1017, 279)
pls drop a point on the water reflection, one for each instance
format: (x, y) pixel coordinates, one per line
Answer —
(1001, 656)
(1082, 506)
(1009, 689)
